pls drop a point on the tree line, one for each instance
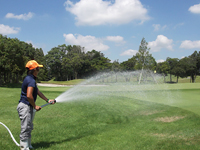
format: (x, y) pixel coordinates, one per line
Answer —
(68, 62)
(185, 67)
(14, 54)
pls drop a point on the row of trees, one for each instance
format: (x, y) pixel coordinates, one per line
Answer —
(72, 62)
(67, 62)
(185, 67)
(13, 57)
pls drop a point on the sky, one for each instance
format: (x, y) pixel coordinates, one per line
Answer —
(114, 27)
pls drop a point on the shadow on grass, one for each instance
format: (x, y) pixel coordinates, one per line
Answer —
(171, 82)
(47, 144)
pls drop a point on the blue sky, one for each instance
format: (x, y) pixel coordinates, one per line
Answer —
(114, 27)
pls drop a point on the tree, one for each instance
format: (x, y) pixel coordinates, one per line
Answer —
(189, 66)
(67, 68)
(116, 68)
(144, 58)
(163, 68)
(76, 55)
(14, 54)
(129, 65)
(39, 57)
(76, 63)
(54, 60)
(98, 61)
(178, 70)
(195, 58)
(172, 65)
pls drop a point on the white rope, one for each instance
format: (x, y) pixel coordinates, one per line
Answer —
(10, 134)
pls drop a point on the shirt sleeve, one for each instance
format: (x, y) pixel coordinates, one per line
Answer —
(31, 83)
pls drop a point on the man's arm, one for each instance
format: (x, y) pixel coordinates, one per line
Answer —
(44, 97)
(31, 99)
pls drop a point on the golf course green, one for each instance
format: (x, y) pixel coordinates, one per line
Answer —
(112, 117)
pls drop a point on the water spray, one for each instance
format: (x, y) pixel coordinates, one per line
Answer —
(33, 114)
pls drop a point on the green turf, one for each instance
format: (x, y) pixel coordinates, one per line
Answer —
(118, 117)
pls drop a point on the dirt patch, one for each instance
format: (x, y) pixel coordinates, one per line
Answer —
(164, 136)
(188, 140)
(169, 119)
(146, 113)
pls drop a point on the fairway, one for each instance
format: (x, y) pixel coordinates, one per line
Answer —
(164, 116)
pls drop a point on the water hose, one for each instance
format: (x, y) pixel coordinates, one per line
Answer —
(10, 131)
(49, 103)
(10, 134)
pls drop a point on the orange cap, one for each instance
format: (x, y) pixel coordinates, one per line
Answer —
(32, 64)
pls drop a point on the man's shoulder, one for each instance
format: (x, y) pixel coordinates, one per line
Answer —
(28, 79)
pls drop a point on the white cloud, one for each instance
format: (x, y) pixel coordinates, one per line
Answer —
(98, 12)
(5, 30)
(22, 16)
(160, 60)
(187, 44)
(115, 38)
(178, 25)
(162, 42)
(158, 27)
(195, 9)
(129, 52)
(89, 42)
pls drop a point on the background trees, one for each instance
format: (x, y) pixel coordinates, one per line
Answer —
(71, 62)
(13, 56)
(172, 66)
(129, 65)
(68, 62)
(163, 68)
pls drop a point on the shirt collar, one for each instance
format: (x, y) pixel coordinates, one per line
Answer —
(32, 76)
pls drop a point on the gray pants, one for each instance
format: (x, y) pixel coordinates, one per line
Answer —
(26, 116)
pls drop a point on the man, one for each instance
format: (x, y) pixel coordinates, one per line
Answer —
(27, 104)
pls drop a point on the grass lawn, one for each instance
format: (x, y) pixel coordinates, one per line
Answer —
(114, 117)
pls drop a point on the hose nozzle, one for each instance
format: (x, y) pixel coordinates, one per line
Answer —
(53, 101)
(49, 103)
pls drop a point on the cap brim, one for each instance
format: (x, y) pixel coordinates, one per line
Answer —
(40, 65)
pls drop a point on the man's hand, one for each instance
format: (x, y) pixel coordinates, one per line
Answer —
(52, 101)
(37, 108)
